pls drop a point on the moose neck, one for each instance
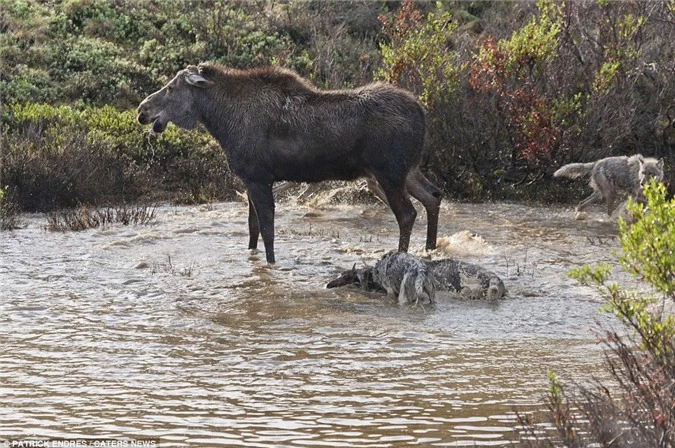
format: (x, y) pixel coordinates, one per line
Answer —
(216, 115)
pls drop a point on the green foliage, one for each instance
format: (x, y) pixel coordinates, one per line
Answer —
(536, 44)
(417, 56)
(648, 254)
(94, 52)
(641, 363)
(62, 156)
(528, 50)
(587, 275)
(512, 69)
(649, 242)
(619, 46)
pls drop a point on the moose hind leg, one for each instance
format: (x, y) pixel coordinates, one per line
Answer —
(430, 196)
(405, 212)
(260, 195)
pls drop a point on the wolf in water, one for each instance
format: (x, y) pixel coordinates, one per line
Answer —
(610, 175)
(465, 279)
(397, 273)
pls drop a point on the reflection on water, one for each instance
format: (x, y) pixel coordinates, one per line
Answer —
(175, 331)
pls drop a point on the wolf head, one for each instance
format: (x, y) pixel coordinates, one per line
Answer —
(362, 278)
(650, 168)
(495, 289)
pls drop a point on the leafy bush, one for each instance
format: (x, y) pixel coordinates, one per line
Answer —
(637, 409)
(417, 55)
(513, 89)
(514, 70)
(61, 157)
(649, 242)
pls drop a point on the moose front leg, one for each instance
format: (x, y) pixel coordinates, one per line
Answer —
(262, 200)
(253, 226)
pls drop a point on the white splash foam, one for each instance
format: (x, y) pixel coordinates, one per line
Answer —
(463, 243)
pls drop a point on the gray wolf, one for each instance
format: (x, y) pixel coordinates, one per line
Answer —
(276, 126)
(611, 175)
(464, 279)
(468, 280)
(398, 274)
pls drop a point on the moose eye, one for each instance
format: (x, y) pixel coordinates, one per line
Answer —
(169, 89)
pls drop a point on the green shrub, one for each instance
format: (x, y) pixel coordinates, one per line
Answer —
(649, 242)
(60, 157)
(417, 55)
(515, 71)
(637, 408)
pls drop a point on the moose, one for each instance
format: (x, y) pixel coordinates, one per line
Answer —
(276, 126)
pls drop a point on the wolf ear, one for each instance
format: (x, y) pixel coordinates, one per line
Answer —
(660, 163)
(197, 80)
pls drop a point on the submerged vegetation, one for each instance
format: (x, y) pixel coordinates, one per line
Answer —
(512, 89)
(636, 409)
(83, 218)
(9, 211)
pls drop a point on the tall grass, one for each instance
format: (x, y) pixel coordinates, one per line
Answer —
(84, 218)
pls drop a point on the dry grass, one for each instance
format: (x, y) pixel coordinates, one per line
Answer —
(9, 215)
(85, 217)
(170, 268)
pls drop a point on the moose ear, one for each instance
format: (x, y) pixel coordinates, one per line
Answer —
(197, 80)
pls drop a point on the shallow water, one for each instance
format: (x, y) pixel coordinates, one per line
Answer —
(175, 331)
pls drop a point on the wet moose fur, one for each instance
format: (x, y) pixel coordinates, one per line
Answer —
(276, 126)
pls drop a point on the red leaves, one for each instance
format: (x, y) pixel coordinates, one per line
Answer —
(407, 19)
(528, 112)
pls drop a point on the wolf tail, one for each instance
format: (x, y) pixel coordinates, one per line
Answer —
(574, 170)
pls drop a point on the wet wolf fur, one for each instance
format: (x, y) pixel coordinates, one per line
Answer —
(614, 174)
(398, 274)
(276, 126)
(465, 279)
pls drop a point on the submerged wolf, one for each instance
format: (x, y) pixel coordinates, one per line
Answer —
(467, 280)
(399, 274)
(275, 126)
(612, 175)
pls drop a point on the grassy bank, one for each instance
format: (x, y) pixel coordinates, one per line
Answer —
(56, 157)
(513, 90)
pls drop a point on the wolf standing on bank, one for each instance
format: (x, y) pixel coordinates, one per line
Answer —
(614, 174)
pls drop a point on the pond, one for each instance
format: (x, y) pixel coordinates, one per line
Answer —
(175, 331)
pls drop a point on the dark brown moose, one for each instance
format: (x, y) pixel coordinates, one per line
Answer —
(276, 126)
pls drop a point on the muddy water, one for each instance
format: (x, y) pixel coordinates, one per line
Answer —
(174, 331)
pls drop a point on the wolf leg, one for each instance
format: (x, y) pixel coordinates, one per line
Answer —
(595, 196)
(610, 197)
(404, 290)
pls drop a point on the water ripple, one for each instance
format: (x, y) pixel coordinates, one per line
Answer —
(175, 332)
